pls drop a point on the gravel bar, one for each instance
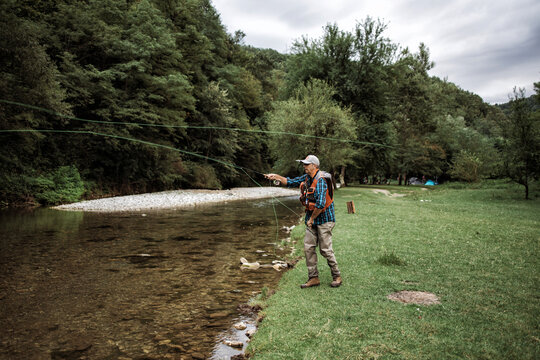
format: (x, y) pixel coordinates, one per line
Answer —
(175, 199)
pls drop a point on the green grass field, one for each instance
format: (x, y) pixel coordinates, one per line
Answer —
(476, 249)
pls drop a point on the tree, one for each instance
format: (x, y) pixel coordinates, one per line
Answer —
(27, 76)
(151, 63)
(356, 64)
(413, 114)
(312, 112)
(522, 141)
(465, 167)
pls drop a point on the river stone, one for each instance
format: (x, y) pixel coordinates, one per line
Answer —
(240, 326)
(247, 265)
(276, 267)
(248, 309)
(234, 344)
(251, 332)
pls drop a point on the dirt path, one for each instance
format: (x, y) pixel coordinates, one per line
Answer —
(387, 193)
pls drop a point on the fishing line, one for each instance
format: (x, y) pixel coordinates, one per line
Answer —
(259, 131)
(274, 207)
(156, 145)
(87, 132)
(291, 210)
(42, 109)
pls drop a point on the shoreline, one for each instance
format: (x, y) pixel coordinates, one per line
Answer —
(175, 199)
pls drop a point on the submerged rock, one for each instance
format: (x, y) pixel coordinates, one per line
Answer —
(198, 356)
(221, 314)
(75, 353)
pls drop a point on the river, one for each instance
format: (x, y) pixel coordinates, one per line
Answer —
(152, 285)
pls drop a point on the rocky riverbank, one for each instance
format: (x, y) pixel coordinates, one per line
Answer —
(175, 199)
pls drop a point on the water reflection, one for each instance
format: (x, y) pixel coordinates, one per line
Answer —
(107, 286)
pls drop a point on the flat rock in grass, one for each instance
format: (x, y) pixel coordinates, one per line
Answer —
(414, 297)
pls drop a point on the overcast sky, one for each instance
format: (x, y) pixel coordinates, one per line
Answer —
(486, 47)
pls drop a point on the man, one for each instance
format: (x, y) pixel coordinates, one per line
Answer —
(320, 217)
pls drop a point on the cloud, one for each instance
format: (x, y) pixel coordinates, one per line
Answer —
(486, 47)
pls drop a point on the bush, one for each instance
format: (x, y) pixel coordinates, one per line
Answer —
(465, 167)
(62, 185)
(202, 176)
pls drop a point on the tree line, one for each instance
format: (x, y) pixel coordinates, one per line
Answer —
(167, 72)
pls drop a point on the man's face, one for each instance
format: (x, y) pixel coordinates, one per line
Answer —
(308, 168)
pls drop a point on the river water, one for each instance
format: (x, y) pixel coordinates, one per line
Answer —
(153, 285)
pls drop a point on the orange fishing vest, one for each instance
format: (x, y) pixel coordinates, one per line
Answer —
(307, 195)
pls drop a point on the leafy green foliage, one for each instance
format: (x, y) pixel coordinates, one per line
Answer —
(356, 65)
(171, 63)
(465, 167)
(146, 62)
(62, 185)
(522, 141)
(312, 112)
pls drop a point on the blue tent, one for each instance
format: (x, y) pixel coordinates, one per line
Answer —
(430, 182)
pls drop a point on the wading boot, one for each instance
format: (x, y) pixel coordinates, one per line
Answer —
(311, 282)
(337, 282)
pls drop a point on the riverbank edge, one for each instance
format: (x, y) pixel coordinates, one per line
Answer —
(175, 199)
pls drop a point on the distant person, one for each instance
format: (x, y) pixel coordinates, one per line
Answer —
(316, 195)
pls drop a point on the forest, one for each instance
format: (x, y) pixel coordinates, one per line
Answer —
(107, 97)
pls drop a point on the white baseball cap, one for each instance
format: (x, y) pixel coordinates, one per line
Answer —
(310, 159)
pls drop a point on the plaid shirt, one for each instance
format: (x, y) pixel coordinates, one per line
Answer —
(320, 195)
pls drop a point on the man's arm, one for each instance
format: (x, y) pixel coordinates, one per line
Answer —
(280, 178)
(292, 183)
(314, 215)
